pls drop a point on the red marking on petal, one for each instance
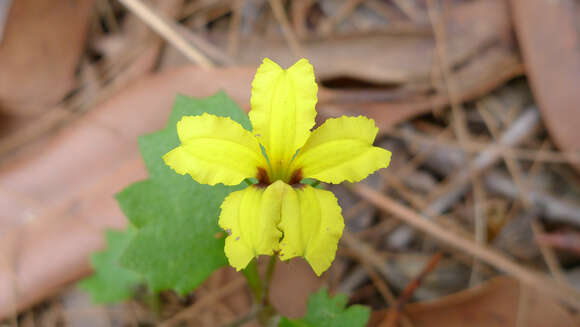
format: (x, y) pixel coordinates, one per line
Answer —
(263, 178)
(296, 177)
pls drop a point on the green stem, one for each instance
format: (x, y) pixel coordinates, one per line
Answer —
(268, 281)
(254, 281)
(268, 312)
(261, 290)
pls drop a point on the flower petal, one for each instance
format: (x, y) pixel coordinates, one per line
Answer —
(312, 224)
(283, 111)
(215, 150)
(341, 149)
(250, 216)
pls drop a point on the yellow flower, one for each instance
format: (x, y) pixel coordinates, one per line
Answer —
(279, 215)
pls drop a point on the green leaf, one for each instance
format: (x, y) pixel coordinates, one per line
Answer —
(110, 282)
(178, 244)
(324, 311)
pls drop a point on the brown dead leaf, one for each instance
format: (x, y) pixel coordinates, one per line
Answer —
(490, 70)
(40, 51)
(57, 195)
(289, 300)
(472, 27)
(499, 302)
(550, 41)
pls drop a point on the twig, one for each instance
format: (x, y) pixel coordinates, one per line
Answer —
(410, 9)
(215, 54)
(522, 314)
(327, 26)
(387, 11)
(405, 296)
(245, 319)
(480, 228)
(501, 262)
(536, 163)
(234, 28)
(459, 183)
(448, 159)
(434, 144)
(444, 64)
(109, 16)
(367, 256)
(230, 287)
(513, 166)
(552, 208)
(287, 31)
(456, 187)
(568, 241)
(386, 293)
(167, 30)
(549, 255)
(299, 17)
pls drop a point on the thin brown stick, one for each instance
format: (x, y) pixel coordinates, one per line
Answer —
(459, 120)
(513, 166)
(411, 9)
(250, 316)
(287, 30)
(385, 292)
(458, 183)
(234, 28)
(480, 228)
(525, 275)
(476, 146)
(104, 7)
(522, 314)
(367, 257)
(167, 30)
(327, 26)
(552, 207)
(227, 289)
(549, 255)
(536, 163)
(299, 17)
(405, 296)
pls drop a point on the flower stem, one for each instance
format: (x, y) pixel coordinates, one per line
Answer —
(261, 290)
(268, 281)
(254, 281)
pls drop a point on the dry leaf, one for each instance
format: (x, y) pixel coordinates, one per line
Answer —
(40, 51)
(57, 195)
(549, 37)
(499, 302)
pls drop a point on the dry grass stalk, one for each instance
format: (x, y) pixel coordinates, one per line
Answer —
(168, 31)
(525, 275)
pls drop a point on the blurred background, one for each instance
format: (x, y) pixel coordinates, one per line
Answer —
(476, 99)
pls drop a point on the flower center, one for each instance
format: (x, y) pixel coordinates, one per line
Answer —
(264, 179)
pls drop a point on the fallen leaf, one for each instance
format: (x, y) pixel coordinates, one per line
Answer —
(549, 38)
(39, 53)
(497, 302)
(492, 69)
(289, 300)
(58, 194)
(472, 27)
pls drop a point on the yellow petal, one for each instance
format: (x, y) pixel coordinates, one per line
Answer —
(312, 224)
(341, 149)
(283, 111)
(250, 217)
(215, 150)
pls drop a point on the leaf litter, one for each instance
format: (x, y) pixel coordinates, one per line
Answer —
(509, 188)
